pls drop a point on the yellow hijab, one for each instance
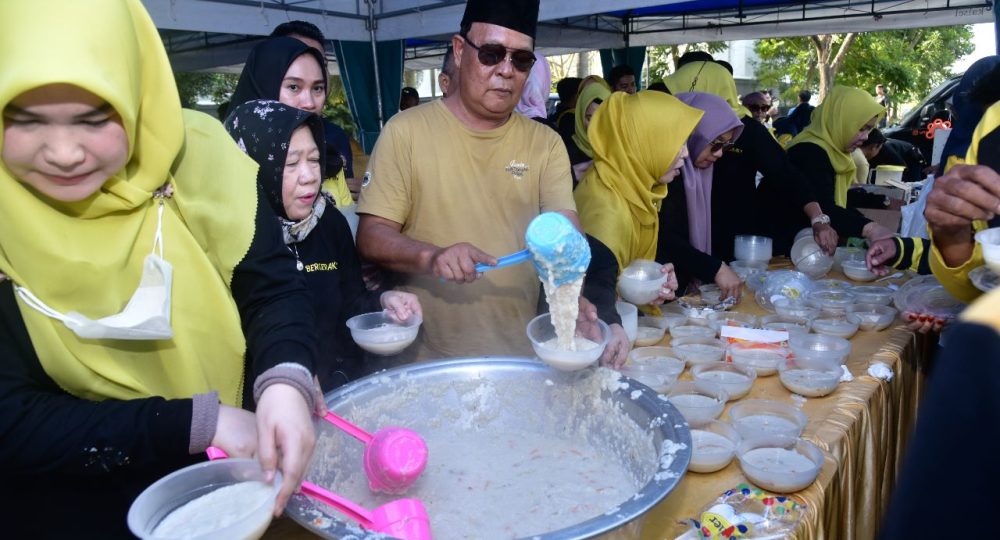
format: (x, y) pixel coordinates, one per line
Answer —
(835, 122)
(593, 87)
(88, 256)
(636, 139)
(710, 78)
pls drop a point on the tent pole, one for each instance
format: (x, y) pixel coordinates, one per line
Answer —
(378, 83)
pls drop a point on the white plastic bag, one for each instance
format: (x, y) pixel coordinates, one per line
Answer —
(913, 223)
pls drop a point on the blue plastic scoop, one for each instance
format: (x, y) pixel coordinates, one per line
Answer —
(553, 243)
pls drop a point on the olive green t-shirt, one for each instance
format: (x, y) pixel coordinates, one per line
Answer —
(446, 183)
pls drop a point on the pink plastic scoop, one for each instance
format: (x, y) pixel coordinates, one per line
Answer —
(394, 457)
(403, 518)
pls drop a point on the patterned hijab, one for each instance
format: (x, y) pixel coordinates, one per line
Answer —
(636, 139)
(262, 129)
(719, 118)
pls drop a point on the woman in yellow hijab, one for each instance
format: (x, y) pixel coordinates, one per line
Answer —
(822, 152)
(593, 91)
(638, 143)
(138, 291)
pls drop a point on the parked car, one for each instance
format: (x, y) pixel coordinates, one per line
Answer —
(913, 127)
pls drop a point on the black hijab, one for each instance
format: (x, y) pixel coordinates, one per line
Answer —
(262, 129)
(266, 67)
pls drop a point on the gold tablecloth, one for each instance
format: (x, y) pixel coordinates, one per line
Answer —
(862, 427)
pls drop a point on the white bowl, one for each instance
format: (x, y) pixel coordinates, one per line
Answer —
(641, 281)
(752, 248)
(990, 240)
(251, 512)
(656, 367)
(713, 446)
(379, 333)
(835, 326)
(719, 319)
(691, 330)
(810, 259)
(857, 270)
(736, 380)
(764, 359)
(872, 294)
(698, 404)
(648, 335)
(630, 319)
(764, 417)
(698, 350)
(871, 317)
(819, 350)
(780, 464)
(808, 379)
(543, 339)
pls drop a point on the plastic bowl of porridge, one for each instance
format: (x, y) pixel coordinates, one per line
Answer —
(648, 335)
(990, 241)
(698, 350)
(810, 380)
(698, 403)
(379, 333)
(857, 270)
(763, 358)
(871, 317)
(820, 350)
(835, 326)
(226, 498)
(582, 454)
(873, 294)
(795, 308)
(691, 331)
(713, 446)
(656, 367)
(641, 281)
(785, 323)
(780, 464)
(588, 349)
(736, 380)
(830, 301)
(759, 417)
(719, 319)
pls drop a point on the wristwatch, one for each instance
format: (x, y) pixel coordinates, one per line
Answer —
(822, 218)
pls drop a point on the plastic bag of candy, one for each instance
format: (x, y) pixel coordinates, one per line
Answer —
(746, 512)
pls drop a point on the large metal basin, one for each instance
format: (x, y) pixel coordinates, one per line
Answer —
(524, 387)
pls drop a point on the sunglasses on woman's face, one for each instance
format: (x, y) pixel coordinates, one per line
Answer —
(758, 108)
(719, 146)
(491, 54)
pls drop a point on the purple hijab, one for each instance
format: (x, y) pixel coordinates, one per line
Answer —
(718, 119)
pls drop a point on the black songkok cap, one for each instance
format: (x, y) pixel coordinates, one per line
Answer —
(518, 15)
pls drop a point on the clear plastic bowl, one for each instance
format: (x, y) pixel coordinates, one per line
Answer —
(648, 335)
(785, 323)
(871, 317)
(656, 367)
(872, 294)
(847, 253)
(731, 318)
(630, 319)
(809, 380)
(835, 326)
(762, 417)
(640, 282)
(797, 308)
(829, 301)
(819, 350)
(857, 270)
(990, 240)
(780, 464)
(755, 280)
(176, 489)
(783, 284)
(735, 379)
(698, 404)
(752, 248)
(379, 333)
(746, 269)
(691, 330)
(810, 259)
(664, 321)
(698, 350)
(710, 293)
(763, 358)
(543, 335)
(713, 446)
(834, 284)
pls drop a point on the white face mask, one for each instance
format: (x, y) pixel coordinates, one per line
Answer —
(145, 317)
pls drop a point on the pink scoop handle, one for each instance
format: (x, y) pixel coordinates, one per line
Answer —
(347, 507)
(349, 428)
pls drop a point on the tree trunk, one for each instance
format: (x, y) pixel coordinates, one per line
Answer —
(828, 63)
(582, 64)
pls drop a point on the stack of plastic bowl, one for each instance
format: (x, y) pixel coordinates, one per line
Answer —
(830, 301)
(871, 317)
(810, 380)
(759, 417)
(746, 269)
(656, 367)
(730, 318)
(698, 350)
(835, 326)
(810, 259)
(819, 350)
(735, 379)
(780, 464)
(641, 281)
(857, 270)
(713, 446)
(764, 358)
(380, 333)
(698, 404)
(872, 294)
(753, 248)
(787, 284)
(990, 241)
(542, 335)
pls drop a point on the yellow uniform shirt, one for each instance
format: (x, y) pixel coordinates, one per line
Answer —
(336, 186)
(446, 183)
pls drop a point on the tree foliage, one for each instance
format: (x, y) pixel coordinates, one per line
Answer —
(662, 60)
(909, 62)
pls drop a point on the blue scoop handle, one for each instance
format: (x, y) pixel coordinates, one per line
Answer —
(513, 258)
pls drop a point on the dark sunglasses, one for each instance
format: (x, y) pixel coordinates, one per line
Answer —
(718, 146)
(759, 108)
(491, 54)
